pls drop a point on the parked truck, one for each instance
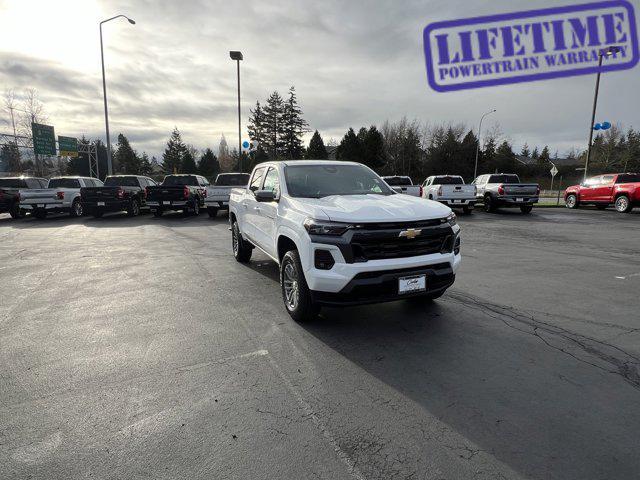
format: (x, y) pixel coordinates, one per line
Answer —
(403, 184)
(61, 195)
(505, 190)
(218, 193)
(185, 192)
(619, 189)
(450, 190)
(342, 236)
(119, 193)
(10, 188)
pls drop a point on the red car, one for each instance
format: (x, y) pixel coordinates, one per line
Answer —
(619, 189)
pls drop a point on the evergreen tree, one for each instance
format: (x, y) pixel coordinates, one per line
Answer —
(273, 143)
(145, 165)
(208, 164)
(316, 150)
(350, 148)
(188, 162)
(544, 157)
(174, 153)
(126, 160)
(535, 153)
(256, 126)
(525, 151)
(10, 158)
(467, 155)
(373, 154)
(505, 159)
(488, 154)
(294, 127)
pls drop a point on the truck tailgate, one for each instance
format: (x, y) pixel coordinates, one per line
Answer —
(456, 192)
(408, 190)
(218, 194)
(39, 196)
(160, 193)
(96, 194)
(521, 190)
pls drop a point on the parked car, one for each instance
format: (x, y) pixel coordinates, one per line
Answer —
(505, 190)
(10, 188)
(450, 190)
(619, 189)
(184, 192)
(218, 193)
(342, 236)
(119, 193)
(402, 184)
(61, 195)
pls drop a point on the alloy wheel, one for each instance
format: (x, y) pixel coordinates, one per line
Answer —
(290, 281)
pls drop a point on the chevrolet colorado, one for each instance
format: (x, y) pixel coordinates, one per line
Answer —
(342, 236)
(184, 192)
(505, 190)
(10, 188)
(119, 193)
(620, 189)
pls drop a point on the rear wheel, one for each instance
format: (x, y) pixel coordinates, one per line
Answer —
(295, 291)
(526, 208)
(489, 204)
(212, 211)
(134, 208)
(241, 250)
(16, 211)
(623, 205)
(76, 208)
(571, 201)
(157, 212)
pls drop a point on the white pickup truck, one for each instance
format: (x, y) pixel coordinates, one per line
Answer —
(450, 190)
(61, 195)
(342, 236)
(402, 184)
(218, 194)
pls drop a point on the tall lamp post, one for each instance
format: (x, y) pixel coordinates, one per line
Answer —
(104, 92)
(475, 170)
(605, 52)
(237, 56)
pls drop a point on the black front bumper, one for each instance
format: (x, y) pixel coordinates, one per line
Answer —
(382, 286)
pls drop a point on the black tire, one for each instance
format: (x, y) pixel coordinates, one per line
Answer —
(97, 213)
(467, 210)
(295, 291)
(196, 207)
(157, 212)
(76, 209)
(134, 208)
(571, 201)
(16, 211)
(526, 209)
(40, 213)
(241, 250)
(623, 204)
(212, 211)
(489, 204)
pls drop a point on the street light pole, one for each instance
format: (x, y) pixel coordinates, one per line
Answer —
(237, 56)
(475, 170)
(104, 92)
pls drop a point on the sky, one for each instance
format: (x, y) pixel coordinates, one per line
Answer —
(353, 63)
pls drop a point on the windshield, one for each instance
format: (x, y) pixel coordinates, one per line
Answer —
(180, 180)
(12, 183)
(504, 179)
(121, 182)
(232, 179)
(64, 183)
(398, 181)
(628, 178)
(316, 181)
(448, 181)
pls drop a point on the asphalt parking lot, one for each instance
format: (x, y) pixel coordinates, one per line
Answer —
(139, 348)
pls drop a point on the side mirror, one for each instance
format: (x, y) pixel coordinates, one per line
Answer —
(265, 195)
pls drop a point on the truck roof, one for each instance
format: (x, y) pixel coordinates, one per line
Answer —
(315, 162)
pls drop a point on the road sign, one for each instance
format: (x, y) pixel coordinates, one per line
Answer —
(554, 171)
(44, 139)
(68, 146)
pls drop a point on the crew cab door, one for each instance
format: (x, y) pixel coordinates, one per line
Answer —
(603, 191)
(267, 213)
(589, 189)
(251, 207)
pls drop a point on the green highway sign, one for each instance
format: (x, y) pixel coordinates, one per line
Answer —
(44, 139)
(68, 146)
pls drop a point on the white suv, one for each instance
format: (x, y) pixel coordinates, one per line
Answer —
(342, 236)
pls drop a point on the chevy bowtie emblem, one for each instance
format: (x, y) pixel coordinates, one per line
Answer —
(410, 233)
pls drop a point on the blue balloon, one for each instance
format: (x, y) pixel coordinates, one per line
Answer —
(245, 144)
(597, 126)
(605, 126)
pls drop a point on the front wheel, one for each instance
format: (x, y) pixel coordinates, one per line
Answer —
(526, 209)
(571, 201)
(489, 204)
(623, 205)
(295, 291)
(241, 250)
(76, 208)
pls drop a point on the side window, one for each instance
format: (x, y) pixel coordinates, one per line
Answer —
(205, 182)
(43, 182)
(32, 183)
(271, 181)
(256, 180)
(607, 179)
(151, 182)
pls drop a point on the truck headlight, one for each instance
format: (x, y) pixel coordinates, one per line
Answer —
(321, 227)
(451, 219)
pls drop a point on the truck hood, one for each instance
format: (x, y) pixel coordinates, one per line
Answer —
(376, 208)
